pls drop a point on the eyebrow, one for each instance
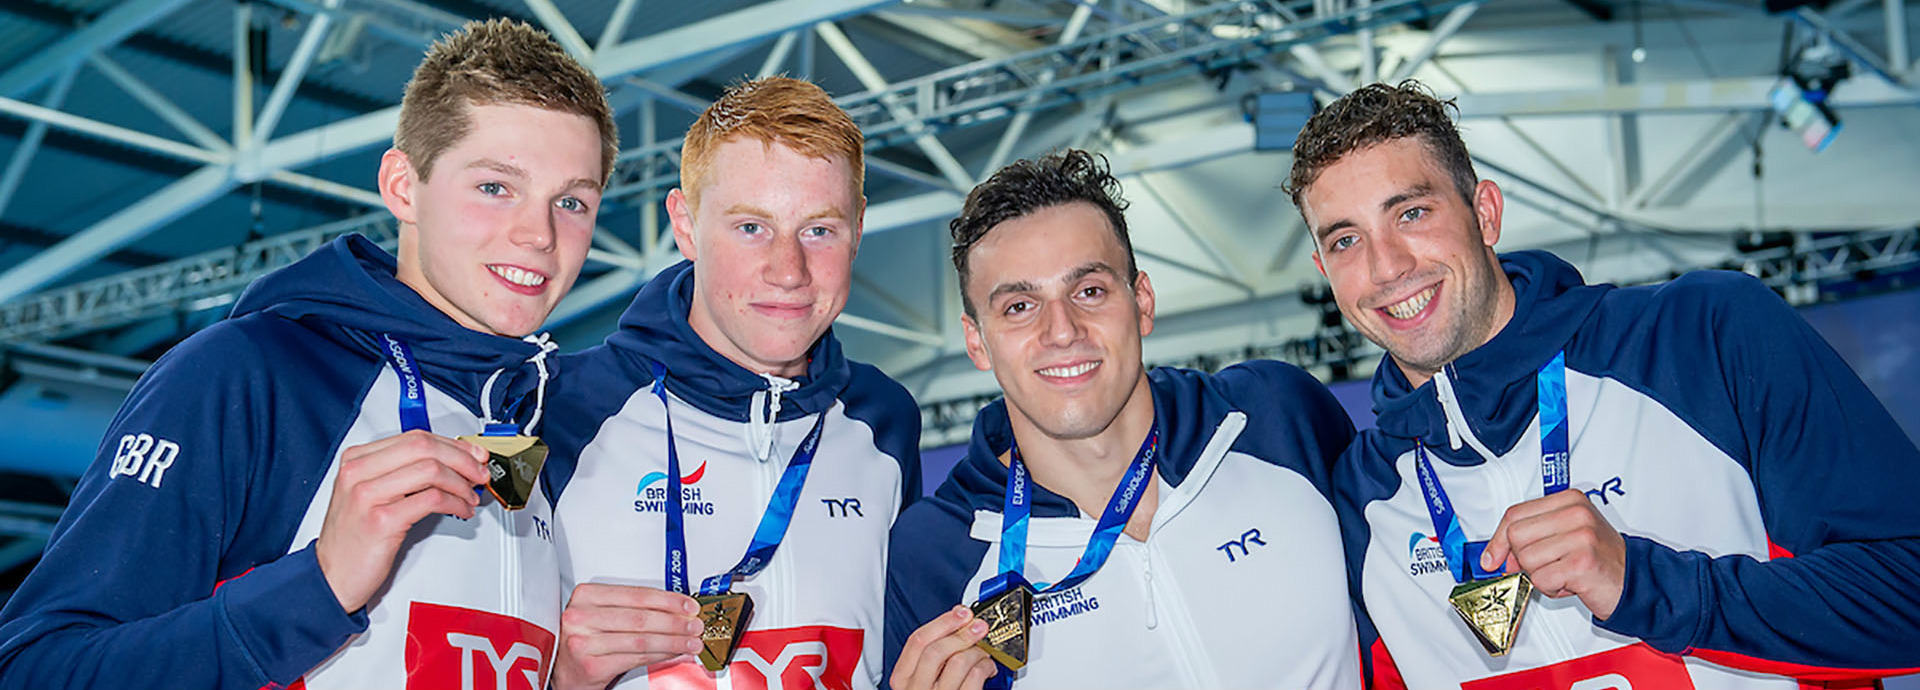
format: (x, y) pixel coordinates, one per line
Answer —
(508, 169)
(1070, 277)
(1414, 192)
(830, 211)
(1417, 191)
(512, 170)
(1088, 269)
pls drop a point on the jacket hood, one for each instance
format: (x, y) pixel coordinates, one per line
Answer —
(655, 329)
(1493, 384)
(346, 289)
(1185, 412)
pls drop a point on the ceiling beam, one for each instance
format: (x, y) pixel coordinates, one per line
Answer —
(131, 223)
(1702, 96)
(187, 55)
(104, 31)
(36, 237)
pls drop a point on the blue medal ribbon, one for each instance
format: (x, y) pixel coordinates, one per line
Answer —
(1018, 508)
(1556, 474)
(501, 429)
(413, 394)
(413, 391)
(773, 523)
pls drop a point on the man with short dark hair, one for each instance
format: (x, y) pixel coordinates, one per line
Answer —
(1169, 528)
(1741, 513)
(282, 499)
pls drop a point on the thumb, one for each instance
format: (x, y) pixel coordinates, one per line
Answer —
(1498, 554)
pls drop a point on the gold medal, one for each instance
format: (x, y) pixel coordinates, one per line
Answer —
(513, 466)
(723, 617)
(1009, 617)
(1492, 609)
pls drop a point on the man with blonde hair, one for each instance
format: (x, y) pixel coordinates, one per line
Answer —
(282, 500)
(725, 447)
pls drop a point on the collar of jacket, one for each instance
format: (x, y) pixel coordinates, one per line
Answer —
(1493, 385)
(655, 329)
(347, 290)
(1185, 411)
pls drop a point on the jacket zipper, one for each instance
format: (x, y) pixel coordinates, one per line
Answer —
(1508, 481)
(779, 589)
(510, 564)
(1190, 651)
(1153, 606)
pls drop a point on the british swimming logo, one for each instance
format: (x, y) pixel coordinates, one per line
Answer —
(1060, 605)
(1424, 555)
(651, 496)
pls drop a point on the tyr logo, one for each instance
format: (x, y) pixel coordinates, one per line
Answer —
(843, 507)
(1251, 536)
(453, 647)
(808, 658)
(1600, 494)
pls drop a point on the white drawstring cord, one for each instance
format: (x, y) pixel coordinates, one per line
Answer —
(764, 412)
(539, 360)
(1457, 429)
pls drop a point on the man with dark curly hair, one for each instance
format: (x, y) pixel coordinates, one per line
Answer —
(1168, 529)
(1741, 513)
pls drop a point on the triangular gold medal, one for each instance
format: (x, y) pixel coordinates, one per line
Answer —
(1492, 609)
(1009, 617)
(513, 466)
(723, 617)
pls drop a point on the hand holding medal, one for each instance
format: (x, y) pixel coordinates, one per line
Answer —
(724, 613)
(382, 488)
(945, 653)
(513, 463)
(609, 629)
(1006, 599)
(1566, 547)
(1558, 543)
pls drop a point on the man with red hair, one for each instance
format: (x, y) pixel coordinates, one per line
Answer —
(725, 447)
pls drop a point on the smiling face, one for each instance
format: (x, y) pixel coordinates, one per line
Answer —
(496, 236)
(1411, 264)
(772, 241)
(1057, 322)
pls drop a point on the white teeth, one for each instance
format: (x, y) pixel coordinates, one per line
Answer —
(518, 276)
(1069, 372)
(1411, 306)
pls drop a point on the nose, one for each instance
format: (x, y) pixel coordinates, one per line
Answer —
(534, 229)
(1060, 324)
(1388, 259)
(786, 266)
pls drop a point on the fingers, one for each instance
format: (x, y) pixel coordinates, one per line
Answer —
(405, 481)
(600, 594)
(942, 661)
(398, 516)
(982, 671)
(383, 456)
(1501, 546)
(906, 668)
(608, 630)
(1566, 547)
(630, 650)
(962, 669)
(381, 490)
(632, 621)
